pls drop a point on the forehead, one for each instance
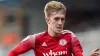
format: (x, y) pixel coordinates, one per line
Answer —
(58, 14)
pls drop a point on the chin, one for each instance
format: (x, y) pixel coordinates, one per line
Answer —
(58, 32)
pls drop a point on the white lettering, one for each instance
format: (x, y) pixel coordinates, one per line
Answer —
(51, 53)
(45, 54)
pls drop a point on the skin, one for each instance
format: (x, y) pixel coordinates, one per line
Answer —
(55, 26)
(95, 52)
(55, 23)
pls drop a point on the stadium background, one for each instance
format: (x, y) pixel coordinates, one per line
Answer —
(19, 18)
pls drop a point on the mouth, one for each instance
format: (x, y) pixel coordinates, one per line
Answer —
(59, 27)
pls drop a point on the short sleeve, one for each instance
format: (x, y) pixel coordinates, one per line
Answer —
(76, 46)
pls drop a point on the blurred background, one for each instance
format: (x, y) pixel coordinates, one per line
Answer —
(19, 18)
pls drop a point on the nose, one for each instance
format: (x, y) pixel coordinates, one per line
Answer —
(60, 22)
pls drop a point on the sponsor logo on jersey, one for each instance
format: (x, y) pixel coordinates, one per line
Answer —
(44, 44)
(62, 42)
(57, 53)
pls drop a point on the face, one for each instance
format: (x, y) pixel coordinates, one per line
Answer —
(56, 22)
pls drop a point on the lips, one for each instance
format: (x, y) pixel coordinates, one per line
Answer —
(59, 27)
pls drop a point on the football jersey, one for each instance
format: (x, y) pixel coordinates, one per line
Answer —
(45, 45)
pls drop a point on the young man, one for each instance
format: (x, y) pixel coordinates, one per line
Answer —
(54, 41)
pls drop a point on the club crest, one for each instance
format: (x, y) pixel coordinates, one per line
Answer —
(62, 42)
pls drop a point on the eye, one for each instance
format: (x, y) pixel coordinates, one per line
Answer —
(56, 18)
(62, 19)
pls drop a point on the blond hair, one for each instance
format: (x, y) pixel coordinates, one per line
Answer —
(53, 6)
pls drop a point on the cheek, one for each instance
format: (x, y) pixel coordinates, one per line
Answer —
(53, 25)
(63, 23)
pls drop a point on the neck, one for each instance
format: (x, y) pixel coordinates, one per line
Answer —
(52, 33)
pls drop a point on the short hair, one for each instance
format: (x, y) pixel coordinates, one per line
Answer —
(53, 6)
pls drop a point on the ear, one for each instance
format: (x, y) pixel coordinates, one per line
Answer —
(47, 20)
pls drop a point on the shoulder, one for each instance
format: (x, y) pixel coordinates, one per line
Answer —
(68, 31)
(40, 34)
(34, 36)
(29, 38)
